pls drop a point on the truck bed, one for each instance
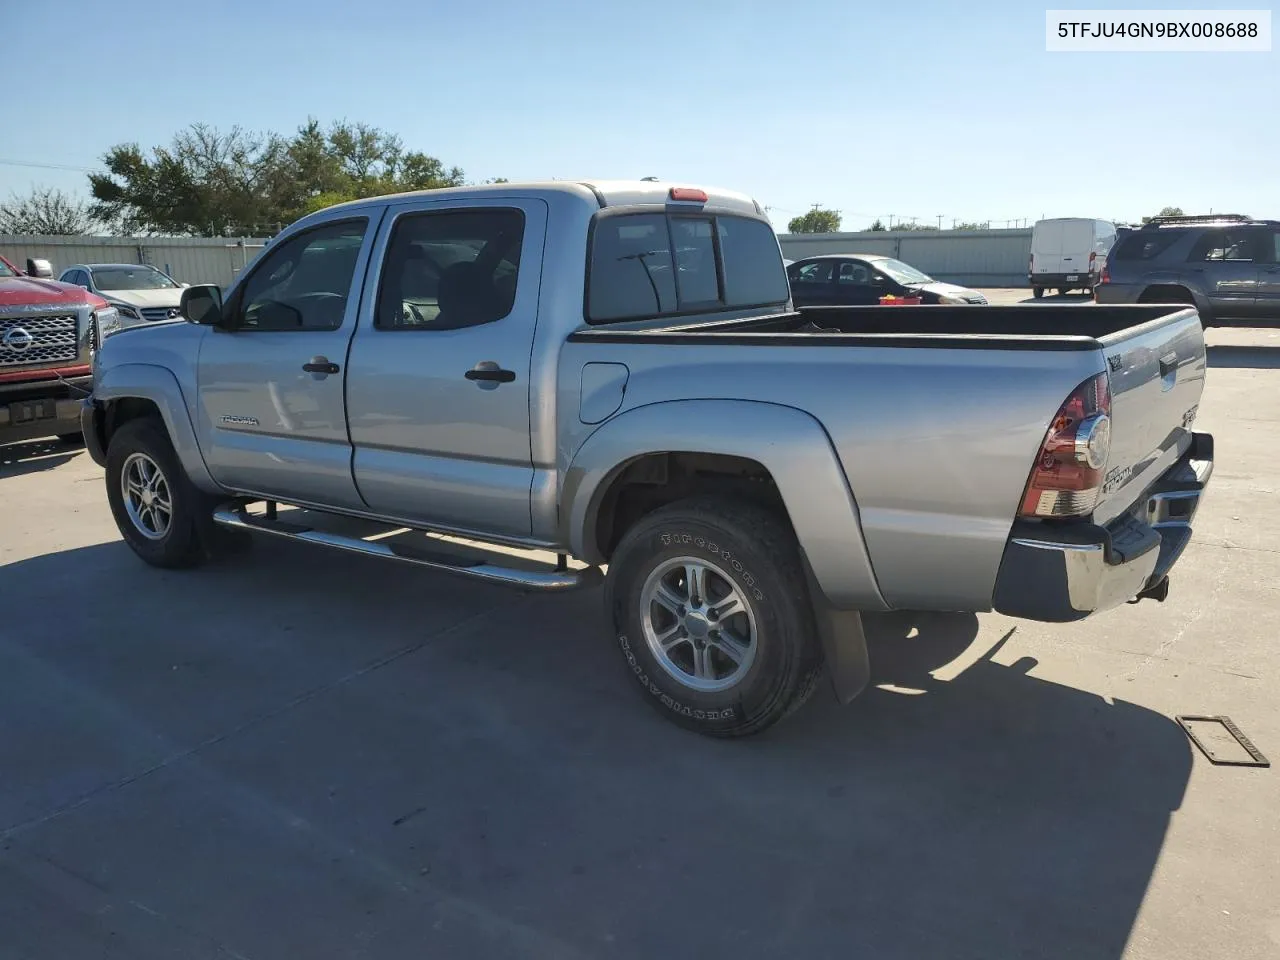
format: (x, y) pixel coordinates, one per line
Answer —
(976, 327)
(935, 412)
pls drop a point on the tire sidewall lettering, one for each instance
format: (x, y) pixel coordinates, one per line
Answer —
(668, 701)
(736, 565)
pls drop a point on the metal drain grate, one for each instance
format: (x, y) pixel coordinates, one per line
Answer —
(1222, 741)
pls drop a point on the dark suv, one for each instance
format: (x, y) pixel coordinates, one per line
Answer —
(1227, 265)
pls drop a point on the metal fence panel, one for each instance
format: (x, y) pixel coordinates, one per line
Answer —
(190, 259)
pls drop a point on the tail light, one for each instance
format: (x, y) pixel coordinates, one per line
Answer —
(1067, 476)
(1106, 274)
(1031, 264)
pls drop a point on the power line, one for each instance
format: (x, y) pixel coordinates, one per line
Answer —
(44, 166)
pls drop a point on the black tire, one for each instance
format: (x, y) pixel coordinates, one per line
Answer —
(1037, 292)
(751, 550)
(191, 536)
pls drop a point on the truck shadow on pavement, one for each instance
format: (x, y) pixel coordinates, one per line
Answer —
(1258, 357)
(311, 754)
(33, 456)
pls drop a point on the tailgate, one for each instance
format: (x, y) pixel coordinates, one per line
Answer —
(1157, 376)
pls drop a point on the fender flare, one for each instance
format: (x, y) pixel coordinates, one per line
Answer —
(144, 381)
(791, 444)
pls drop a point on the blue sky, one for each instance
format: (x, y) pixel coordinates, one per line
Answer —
(911, 109)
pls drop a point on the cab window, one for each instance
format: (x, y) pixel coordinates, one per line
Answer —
(304, 283)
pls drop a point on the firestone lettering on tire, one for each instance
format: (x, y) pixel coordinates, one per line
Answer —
(668, 539)
(728, 713)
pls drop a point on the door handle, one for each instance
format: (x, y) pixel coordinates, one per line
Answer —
(320, 365)
(486, 371)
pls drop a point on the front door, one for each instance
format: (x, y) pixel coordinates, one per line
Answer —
(856, 284)
(270, 386)
(1268, 303)
(438, 398)
(812, 283)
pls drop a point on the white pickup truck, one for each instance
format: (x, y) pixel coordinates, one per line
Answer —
(613, 371)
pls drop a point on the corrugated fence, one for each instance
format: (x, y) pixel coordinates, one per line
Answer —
(979, 258)
(191, 259)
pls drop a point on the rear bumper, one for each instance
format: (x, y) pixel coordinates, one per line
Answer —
(1082, 279)
(1064, 573)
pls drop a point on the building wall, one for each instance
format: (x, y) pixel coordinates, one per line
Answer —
(978, 258)
(190, 259)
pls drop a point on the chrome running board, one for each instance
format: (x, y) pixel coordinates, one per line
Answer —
(434, 554)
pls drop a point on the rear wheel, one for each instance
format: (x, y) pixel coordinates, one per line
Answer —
(1037, 292)
(711, 611)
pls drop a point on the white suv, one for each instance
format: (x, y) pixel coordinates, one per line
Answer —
(141, 293)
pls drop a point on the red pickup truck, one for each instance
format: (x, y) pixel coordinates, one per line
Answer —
(48, 333)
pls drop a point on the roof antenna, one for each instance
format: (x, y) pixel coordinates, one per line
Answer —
(648, 179)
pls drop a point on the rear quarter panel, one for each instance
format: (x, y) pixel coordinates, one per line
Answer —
(936, 443)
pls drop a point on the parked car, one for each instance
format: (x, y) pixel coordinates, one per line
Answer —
(861, 279)
(140, 292)
(753, 476)
(1068, 253)
(47, 336)
(1228, 267)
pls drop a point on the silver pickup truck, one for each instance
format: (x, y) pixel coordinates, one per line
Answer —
(612, 372)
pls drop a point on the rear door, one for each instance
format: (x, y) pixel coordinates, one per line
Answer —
(1075, 245)
(270, 389)
(1224, 263)
(439, 385)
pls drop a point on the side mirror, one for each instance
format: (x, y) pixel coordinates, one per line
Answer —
(39, 268)
(202, 305)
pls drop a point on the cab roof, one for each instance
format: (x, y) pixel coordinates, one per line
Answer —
(604, 193)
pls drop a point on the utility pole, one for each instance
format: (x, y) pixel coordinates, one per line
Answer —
(939, 221)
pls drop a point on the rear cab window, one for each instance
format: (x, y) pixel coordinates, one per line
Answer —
(647, 265)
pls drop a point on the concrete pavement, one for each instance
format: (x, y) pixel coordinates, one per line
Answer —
(312, 755)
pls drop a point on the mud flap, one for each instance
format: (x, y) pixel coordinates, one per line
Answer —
(844, 644)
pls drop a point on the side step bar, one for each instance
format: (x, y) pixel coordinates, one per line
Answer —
(558, 579)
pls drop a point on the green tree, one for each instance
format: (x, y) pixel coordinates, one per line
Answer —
(211, 183)
(1166, 212)
(971, 225)
(45, 211)
(817, 220)
(877, 226)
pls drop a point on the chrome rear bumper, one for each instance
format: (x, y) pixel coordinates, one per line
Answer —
(1063, 572)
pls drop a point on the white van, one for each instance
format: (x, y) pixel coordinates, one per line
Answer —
(1068, 253)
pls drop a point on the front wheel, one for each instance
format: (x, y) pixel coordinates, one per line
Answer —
(160, 514)
(711, 612)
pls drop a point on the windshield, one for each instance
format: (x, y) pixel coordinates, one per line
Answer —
(131, 278)
(903, 273)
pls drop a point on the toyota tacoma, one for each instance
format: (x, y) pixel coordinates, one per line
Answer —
(613, 373)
